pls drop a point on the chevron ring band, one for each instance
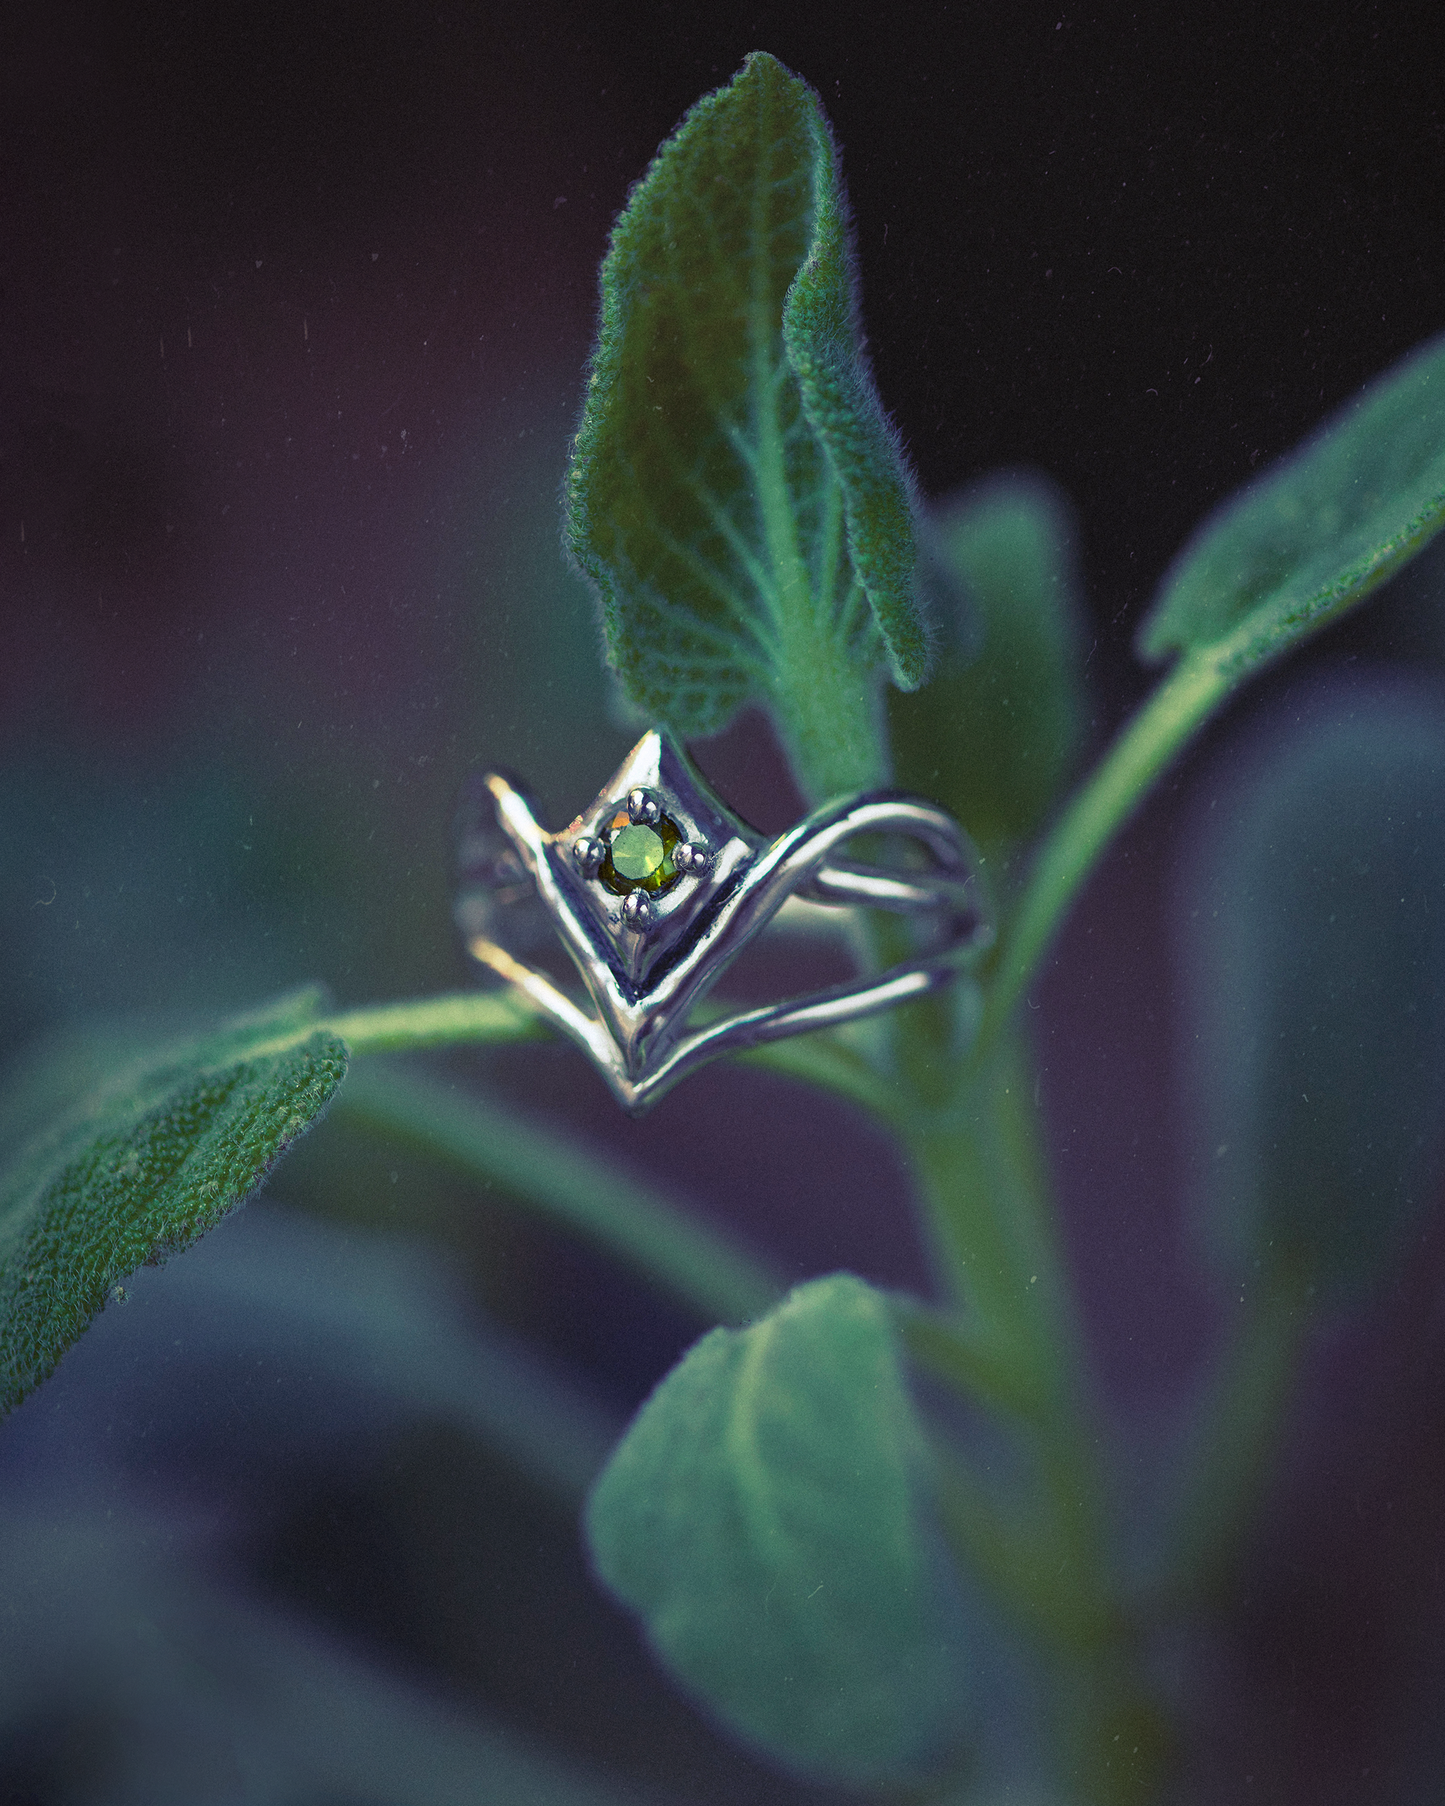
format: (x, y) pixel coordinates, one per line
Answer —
(655, 890)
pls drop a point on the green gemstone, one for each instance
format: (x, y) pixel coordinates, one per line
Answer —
(637, 853)
(638, 857)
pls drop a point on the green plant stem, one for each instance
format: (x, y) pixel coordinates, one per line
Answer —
(1234, 1446)
(946, 1345)
(493, 1018)
(448, 1021)
(826, 1061)
(456, 1020)
(986, 1198)
(1042, 1537)
(701, 1267)
(1187, 697)
(828, 713)
(981, 1175)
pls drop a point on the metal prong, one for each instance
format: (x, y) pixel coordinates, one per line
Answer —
(589, 854)
(637, 911)
(690, 856)
(642, 809)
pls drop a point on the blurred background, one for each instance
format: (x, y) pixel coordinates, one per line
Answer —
(294, 309)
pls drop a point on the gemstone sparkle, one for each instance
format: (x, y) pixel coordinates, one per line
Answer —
(639, 857)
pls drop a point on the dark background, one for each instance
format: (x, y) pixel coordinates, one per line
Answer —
(294, 308)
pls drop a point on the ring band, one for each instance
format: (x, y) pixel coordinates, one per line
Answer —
(656, 889)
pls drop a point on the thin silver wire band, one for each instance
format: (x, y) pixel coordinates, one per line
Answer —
(636, 1035)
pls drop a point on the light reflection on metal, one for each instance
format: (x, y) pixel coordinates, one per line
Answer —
(653, 930)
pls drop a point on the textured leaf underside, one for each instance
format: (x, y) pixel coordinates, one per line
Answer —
(736, 495)
(762, 1515)
(1320, 531)
(136, 1164)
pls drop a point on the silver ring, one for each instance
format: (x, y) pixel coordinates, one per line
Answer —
(657, 888)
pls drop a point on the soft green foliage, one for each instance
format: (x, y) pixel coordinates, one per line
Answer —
(736, 495)
(1318, 532)
(613, 1210)
(995, 731)
(135, 1163)
(739, 503)
(1317, 944)
(1277, 562)
(765, 1517)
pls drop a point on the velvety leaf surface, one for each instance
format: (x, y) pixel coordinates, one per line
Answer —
(994, 732)
(139, 1157)
(736, 495)
(1315, 934)
(763, 1516)
(1319, 531)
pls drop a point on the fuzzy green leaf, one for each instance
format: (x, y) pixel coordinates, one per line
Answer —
(995, 731)
(763, 1515)
(1317, 533)
(136, 1161)
(736, 495)
(1316, 937)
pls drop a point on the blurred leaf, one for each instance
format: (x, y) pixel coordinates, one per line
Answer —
(763, 1516)
(577, 1187)
(1317, 532)
(142, 1671)
(992, 736)
(736, 494)
(1316, 944)
(133, 1167)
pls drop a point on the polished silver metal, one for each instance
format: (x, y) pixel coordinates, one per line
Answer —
(643, 808)
(637, 912)
(589, 854)
(648, 950)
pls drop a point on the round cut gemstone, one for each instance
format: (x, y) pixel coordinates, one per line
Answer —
(638, 857)
(637, 853)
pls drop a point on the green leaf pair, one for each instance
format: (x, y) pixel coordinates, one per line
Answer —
(141, 1158)
(736, 495)
(767, 1516)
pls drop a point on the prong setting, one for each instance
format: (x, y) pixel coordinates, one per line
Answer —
(588, 854)
(690, 857)
(637, 911)
(643, 809)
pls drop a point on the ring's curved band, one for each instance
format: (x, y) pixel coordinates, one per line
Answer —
(647, 963)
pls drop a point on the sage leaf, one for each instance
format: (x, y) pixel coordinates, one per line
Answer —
(995, 731)
(736, 495)
(147, 1154)
(1318, 532)
(764, 1515)
(1315, 941)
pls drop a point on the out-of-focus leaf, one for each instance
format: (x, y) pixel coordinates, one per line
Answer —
(543, 1171)
(736, 495)
(1315, 940)
(1317, 532)
(128, 1638)
(764, 1516)
(994, 732)
(134, 1164)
